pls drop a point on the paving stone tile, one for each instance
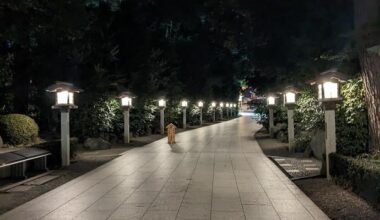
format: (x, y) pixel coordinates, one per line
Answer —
(220, 172)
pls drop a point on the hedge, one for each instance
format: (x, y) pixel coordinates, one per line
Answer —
(362, 175)
(18, 129)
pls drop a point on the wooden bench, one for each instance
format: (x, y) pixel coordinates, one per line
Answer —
(17, 161)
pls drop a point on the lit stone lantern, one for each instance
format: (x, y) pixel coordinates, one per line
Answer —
(213, 106)
(235, 109)
(162, 106)
(200, 106)
(184, 104)
(271, 102)
(126, 104)
(328, 85)
(64, 102)
(290, 103)
(227, 109)
(221, 105)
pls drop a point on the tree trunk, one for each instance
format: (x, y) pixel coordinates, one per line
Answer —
(368, 35)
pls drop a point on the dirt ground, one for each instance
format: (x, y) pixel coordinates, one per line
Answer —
(335, 201)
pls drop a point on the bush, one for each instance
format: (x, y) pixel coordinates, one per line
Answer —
(101, 117)
(362, 175)
(352, 121)
(18, 129)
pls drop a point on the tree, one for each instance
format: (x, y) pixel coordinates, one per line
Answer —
(368, 35)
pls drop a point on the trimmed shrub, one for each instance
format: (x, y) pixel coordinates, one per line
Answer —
(18, 129)
(361, 174)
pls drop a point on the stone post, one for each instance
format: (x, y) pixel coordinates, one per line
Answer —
(330, 136)
(162, 120)
(271, 121)
(291, 128)
(184, 118)
(126, 126)
(201, 116)
(65, 136)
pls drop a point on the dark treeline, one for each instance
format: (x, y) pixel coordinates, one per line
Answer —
(193, 49)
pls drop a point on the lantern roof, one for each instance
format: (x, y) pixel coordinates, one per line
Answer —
(291, 89)
(126, 94)
(328, 75)
(63, 86)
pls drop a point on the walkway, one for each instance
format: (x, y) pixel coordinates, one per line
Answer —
(215, 172)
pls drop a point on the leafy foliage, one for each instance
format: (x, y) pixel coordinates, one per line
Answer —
(308, 114)
(352, 121)
(362, 175)
(18, 129)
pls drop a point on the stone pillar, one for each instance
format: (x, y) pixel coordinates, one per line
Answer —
(65, 137)
(162, 120)
(330, 137)
(271, 120)
(184, 118)
(291, 129)
(201, 116)
(126, 126)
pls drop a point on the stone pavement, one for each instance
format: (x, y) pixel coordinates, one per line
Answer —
(214, 172)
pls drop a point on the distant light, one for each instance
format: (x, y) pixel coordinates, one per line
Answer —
(290, 98)
(213, 104)
(221, 104)
(200, 104)
(161, 103)
(184, 103)
(126, 101)
(271, 100)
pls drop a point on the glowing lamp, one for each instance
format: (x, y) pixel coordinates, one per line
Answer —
(213, 104)
(184, 104)
(162, 103)
(329, 86)
(126, 99)
(271, 100)
(221, 104)
(64, 94)
(200, 104)
(65, 98)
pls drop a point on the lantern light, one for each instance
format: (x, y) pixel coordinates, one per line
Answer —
(213, 104)
(271, 100)
(200, 104)
(126, 99)
(221, 104)
(290, 94)
(328, 85)
(64, 94)
(184, 104)
(162, 103)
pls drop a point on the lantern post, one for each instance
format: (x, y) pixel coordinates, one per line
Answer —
(126, 104)
(162, 106)
(184, 105)
(221, 105)
(213, 106)
(290, 103)
(329, 95)
(271, 101)
(200, 106)
(64, 102)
